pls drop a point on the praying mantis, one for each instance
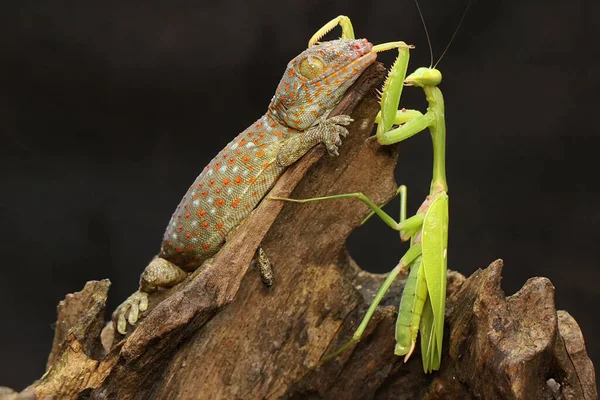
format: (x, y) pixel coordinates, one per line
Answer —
(423, 301)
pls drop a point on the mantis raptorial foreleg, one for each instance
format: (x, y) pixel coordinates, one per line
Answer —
(423, 300)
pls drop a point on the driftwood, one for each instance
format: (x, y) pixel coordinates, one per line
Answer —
(223, 334)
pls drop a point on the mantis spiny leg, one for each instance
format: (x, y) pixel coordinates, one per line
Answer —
(341, 20)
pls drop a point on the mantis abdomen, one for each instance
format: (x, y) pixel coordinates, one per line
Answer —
(410, 310)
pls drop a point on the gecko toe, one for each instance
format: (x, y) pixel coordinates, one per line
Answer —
(341, 131)
(143, 301)
(341, 120)
(121, 321)
(134, 312)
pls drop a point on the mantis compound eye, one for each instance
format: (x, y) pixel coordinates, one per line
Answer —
(311, 67)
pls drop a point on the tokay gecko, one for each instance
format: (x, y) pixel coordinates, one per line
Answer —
(236, 180)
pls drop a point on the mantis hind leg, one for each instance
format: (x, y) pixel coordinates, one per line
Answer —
(403, 226)
(405, 261)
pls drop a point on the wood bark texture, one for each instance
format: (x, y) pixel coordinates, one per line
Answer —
(222, 334)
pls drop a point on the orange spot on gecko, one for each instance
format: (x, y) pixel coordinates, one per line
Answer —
(211, 182)
(231, 161)
(206, 246)
(265, 165)
(204, 224)
(262, 146)
(278, 134)
(195, 196)
(200, 185)
(260, 153)
(250, 134)
(242, 142)
(245, 159)
(218, 191)
(219, 202)
(226, 181)
(196, 233)
(251, 181)
(203, 194)
(179, 249)
(201, 213)
(219, 226)
(179, 228)
(273, 124)
(238, 179)
(247, 206)
(188, 215)
(235, 202)
(188, 235)
(217, 166)
(254, 194)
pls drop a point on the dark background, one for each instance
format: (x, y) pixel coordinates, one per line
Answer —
(109, 111)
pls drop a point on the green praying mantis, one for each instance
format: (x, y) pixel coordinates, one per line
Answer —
(424, 298)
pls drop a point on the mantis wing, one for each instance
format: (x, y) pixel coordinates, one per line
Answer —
(435, 243)
(428, 341)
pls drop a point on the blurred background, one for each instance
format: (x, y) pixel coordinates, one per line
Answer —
(109, 111)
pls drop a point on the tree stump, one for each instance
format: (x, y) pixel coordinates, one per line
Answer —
(222, 334)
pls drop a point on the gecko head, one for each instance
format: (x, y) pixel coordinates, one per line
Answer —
(317, 79)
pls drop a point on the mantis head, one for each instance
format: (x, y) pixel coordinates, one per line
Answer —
(424, 77)
(317, 79)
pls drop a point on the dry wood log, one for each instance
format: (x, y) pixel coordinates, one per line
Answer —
(222, 334)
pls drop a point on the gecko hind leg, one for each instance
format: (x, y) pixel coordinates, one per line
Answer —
(265, 268)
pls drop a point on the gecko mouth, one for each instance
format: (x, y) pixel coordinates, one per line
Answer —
(369, 54)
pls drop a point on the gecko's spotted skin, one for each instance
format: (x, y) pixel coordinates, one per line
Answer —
(236, 180)
(224, 194)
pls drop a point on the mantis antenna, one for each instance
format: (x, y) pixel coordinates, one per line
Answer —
(453, 35)
(427, 34)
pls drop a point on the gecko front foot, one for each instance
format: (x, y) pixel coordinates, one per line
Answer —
(129, 311)
(326, 131)
(332, 130)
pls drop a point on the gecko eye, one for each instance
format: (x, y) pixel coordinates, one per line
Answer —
(311, 67)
